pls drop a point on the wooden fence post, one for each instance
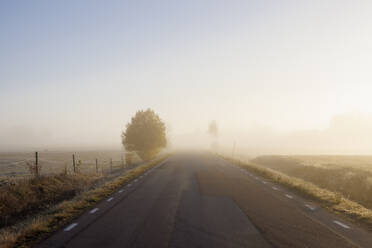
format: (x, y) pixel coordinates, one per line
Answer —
(73, 162)
(36, 158)
(37, 164)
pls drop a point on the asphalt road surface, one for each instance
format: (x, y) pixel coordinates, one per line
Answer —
(199, 200)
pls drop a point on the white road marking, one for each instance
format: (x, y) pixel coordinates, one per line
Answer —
(289, 196)
(312, 208)
(264, 182)
(121, 191)
(135, 180)
(70, 227)
(110, 199)
(257, 178)
(341, 224)
(129, 185)
(94, 210)
(275, 188)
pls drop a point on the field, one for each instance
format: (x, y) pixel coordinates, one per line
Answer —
(350, 176)
(14, 165)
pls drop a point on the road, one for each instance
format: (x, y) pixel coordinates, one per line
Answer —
(199, 200)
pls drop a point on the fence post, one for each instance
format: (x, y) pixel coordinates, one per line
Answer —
(73, 162)
(97, 166)
(110, 165)
(36, 158)
(37, 163)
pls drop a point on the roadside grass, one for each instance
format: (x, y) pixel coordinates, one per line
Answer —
(330, 200)
(22, 198)
(352, 180)
(41, 226)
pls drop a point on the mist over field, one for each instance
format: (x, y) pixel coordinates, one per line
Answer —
(283, 78)
(345, 134)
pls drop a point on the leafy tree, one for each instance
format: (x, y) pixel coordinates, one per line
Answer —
(145, 134)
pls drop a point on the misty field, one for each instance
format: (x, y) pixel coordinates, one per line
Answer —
(14, 165)
(351, 176)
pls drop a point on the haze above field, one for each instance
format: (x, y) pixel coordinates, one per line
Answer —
(277, 76)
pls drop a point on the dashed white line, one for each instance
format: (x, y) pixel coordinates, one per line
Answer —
(264, 182)
(129, 185)
(135, 180)
(289, 196)
(110, 199)
(121, 191)
(275, 188)
(341, 224)
(94, 210)
(312, 208)
(70, 227)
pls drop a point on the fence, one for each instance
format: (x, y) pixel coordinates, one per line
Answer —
(13, 165)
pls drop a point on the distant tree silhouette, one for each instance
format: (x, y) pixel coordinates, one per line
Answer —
(213, 129)
(145, 134)
(213, 132)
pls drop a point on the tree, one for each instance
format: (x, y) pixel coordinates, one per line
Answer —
(213, 132)
(145, 134)
(212, 129)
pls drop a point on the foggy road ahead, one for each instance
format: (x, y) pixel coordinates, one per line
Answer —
(203, 201)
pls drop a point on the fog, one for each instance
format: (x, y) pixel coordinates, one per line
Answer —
(346, 134)
(278, 78)
(349, 133)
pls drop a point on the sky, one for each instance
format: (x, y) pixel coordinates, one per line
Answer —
(73, 73)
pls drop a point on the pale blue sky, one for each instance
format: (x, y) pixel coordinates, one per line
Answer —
(73, 72)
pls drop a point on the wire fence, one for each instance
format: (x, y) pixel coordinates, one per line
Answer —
(25, 165)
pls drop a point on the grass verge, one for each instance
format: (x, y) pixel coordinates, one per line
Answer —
(327, 199)
(38, 228)
(353, 181)
(23, 198)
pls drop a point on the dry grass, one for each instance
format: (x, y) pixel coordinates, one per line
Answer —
(22, 198)
(333, 201)
(32, 231)
(347, 177)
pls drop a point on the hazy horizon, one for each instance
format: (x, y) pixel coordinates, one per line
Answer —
(279, 77)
